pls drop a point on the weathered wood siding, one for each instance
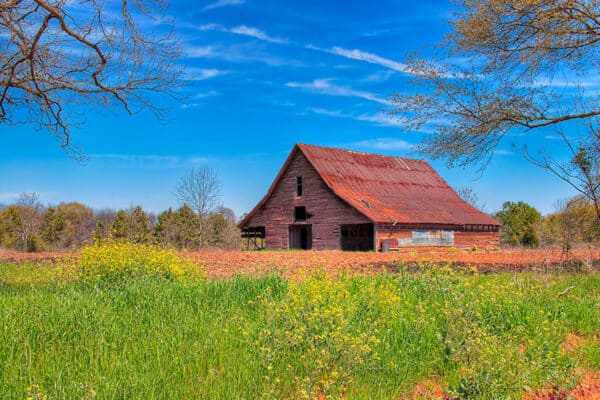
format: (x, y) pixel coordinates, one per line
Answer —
(462, 239)
(328, 211)
(483, 240)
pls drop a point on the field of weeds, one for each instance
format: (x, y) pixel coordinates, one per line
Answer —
(293, 264)
(122, 321)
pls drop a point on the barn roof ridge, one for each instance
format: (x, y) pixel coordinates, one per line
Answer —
(367, 153)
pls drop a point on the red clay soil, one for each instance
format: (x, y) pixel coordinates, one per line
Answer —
(589, 389)
(299, 263)
(17, 256)
(572, 343)
(221, 264)
(428, 389)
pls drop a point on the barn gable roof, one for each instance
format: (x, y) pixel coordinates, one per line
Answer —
(386, 189)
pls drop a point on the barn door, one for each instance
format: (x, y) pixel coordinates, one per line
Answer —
(357, 237)
(300, 237)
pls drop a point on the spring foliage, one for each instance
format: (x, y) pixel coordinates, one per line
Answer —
(112, 262)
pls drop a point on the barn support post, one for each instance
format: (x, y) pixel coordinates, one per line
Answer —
(253, 235)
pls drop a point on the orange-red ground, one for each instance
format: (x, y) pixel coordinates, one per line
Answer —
(221, 264)
(294, 263)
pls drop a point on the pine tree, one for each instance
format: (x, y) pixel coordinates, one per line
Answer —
(188, 228)
(120, 226)
(52, 227)
(139, 231)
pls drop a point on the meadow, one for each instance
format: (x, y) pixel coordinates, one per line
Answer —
(133, 322)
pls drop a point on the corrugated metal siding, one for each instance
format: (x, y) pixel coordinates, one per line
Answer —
(392, 189)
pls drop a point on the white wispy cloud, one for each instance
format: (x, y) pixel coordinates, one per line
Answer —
(200, 74)
(365, 56)
(384, 144)
(203, 95)
(137, 160)
(380, 118)
(190, 105)
(212, 27)
(240, 53)
(380, 76)
(199, 96)
(369, 57)
(145, 161)
(244, 31)
(500, 152)
(222, 3)
(199, 51)
(323, 86)
(256, 33)
(329, 113)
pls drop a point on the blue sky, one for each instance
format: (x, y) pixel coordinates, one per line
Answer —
(261, 76)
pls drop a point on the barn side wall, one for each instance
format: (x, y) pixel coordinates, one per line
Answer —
(462, 239)
(328, 211)
(483, 240)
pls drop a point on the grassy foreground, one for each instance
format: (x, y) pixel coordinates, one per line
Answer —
(356, 337)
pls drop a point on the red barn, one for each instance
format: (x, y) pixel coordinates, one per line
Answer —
(326, 198)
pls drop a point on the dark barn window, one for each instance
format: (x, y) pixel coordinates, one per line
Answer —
(299, 214)
(299, 186)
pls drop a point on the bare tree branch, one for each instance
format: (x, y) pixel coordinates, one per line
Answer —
(523, 66)
(200, 189)
(523, 62)
(58, 55)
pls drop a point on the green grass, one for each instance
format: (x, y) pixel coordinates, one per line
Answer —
(479, 336)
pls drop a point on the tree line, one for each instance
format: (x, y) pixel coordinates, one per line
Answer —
(573, 224)
(27, 225)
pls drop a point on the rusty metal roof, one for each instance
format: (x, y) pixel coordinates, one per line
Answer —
(386, 189)
(392, 189)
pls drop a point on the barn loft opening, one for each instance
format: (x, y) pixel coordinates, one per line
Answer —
(299, 188)
(300, 214)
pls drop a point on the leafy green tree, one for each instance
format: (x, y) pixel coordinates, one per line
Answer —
(573, 223)
(120, 225)
(20, 227)
(79, 223)
(165, 230)
(519, 222)
(217, 230)
(52, 227)
(188, 228)
(10, 221)
(139, 231)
